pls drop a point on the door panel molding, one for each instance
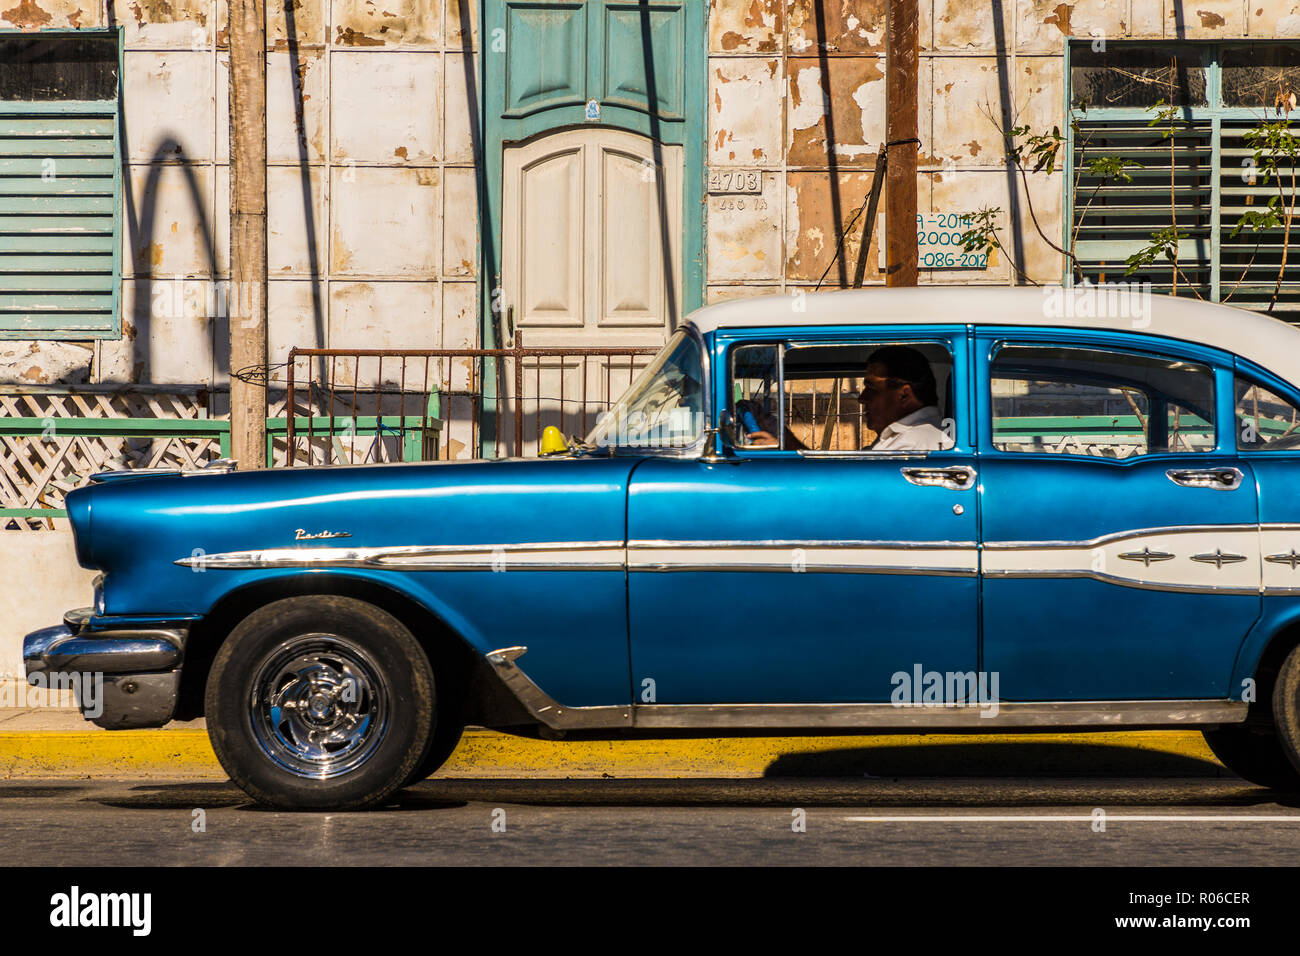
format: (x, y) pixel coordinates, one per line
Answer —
(581, 246)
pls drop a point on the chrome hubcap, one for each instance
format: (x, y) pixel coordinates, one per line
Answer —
(320, 706)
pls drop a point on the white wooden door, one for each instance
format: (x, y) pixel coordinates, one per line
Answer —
(584, 263)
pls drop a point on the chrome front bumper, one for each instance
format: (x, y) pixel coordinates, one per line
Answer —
(135, 674)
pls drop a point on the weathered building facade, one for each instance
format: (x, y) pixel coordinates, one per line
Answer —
(450, 173)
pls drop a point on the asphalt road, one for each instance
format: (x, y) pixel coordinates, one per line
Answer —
(849, 820)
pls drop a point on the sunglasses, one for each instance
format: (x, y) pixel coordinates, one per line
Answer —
(874, 385)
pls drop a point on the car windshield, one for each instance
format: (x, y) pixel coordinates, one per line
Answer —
(664, 407)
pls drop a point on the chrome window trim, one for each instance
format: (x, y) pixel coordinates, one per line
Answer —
(864, 453)
(867, 337)
(1002, 339)
(741, 450)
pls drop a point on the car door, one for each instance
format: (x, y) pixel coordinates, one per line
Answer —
(785, 576)
(1120, 555)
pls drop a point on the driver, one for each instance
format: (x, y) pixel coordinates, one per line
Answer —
(900, 403)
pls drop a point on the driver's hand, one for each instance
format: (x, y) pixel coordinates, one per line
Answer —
(761, 439)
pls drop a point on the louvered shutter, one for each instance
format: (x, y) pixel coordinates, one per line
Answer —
(1249, 262)
(1112, 219)
(58, 221)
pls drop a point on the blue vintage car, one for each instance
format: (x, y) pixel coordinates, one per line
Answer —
(944, 509)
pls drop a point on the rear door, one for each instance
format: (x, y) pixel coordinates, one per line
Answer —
(1120, 555)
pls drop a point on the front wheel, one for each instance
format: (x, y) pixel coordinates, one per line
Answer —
(445, 740)
(320, 703)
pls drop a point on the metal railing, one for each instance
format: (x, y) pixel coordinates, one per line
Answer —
(493, 402)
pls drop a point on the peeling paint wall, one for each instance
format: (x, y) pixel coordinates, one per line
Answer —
(373, 218)
(796, 93)
(373, 233)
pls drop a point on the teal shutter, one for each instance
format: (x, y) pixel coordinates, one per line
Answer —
(1227, 90)
(1250, 260)
(58, 222)
(1113, 219)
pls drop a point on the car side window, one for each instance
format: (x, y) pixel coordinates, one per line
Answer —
(755, 395)
(1265, 420)
(1105, 403)
(841, 397)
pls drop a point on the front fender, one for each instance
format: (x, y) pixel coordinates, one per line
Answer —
(166, 544)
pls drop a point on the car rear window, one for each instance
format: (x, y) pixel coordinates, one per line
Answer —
(1265, 420)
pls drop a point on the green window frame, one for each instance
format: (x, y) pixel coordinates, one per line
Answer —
(61, 210)
(1109, 220)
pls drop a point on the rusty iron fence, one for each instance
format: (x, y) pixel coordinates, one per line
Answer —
(362, 405)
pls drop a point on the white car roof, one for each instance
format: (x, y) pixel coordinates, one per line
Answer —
(1266, 341)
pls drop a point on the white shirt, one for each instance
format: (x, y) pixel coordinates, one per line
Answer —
(919, 431)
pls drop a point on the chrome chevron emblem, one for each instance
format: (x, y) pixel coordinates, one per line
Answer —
(1146, 556)
(1218, 558)
(1291, 560)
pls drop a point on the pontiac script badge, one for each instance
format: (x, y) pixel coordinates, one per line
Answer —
(301, 535)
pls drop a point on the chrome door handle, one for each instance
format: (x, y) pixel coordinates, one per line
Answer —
(957, 478)
(1224, 479)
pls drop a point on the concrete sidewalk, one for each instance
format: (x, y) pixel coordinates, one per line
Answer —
(55, 741)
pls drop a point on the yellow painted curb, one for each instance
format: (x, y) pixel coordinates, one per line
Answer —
(484, 753)
(121, 753)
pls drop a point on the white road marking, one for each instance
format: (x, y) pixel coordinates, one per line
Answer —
(1083, 818)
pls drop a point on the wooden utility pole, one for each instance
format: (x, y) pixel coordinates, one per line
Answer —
(901, 141)
(247, 298)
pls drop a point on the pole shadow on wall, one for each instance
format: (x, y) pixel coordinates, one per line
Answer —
(1007, 113)
(304, 170)
(832, 162)
(140, 213)
(657, 151)
(140, 224)
(493, 382)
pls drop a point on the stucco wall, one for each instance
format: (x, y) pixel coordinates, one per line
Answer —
(372, 191)
(782, 83)
(370, 186)
(41, 579)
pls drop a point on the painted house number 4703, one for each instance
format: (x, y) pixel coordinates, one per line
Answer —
(724, 182)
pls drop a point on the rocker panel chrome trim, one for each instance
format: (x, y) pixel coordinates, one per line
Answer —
(546, 710)
(1084, 714)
